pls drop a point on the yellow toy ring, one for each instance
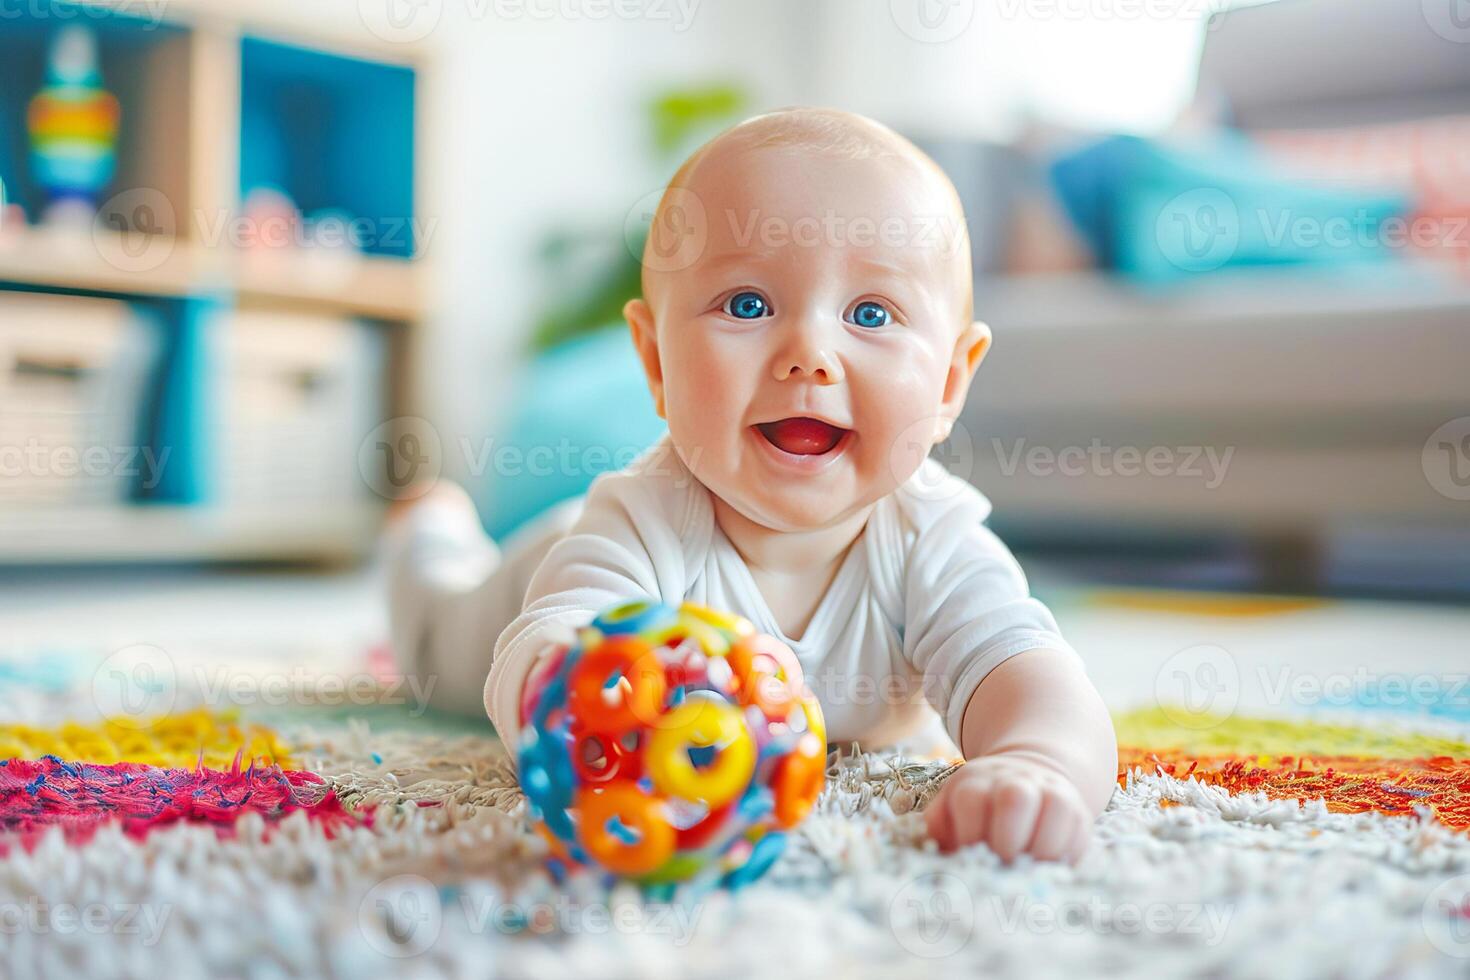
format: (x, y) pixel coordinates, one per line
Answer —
(725, 622)
(815, 723)
(701, 723)
(713, 642)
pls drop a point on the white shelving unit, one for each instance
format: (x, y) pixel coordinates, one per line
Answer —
(186, 85)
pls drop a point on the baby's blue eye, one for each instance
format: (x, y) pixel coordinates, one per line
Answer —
(747, 306)
(870, 314)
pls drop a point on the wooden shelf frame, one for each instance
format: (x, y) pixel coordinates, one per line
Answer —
(106, 262)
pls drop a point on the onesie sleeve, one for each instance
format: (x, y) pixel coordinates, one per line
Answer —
(630, 541)
(967, 606)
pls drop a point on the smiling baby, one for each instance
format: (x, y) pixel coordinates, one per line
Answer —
(806, 331)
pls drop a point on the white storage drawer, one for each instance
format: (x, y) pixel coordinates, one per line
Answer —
(295, 395)
(74, 375)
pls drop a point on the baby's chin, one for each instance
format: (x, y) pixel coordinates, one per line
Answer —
(781, 501)
(793, 507)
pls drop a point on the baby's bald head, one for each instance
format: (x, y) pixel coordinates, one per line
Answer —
(805, 322)
(820, 134)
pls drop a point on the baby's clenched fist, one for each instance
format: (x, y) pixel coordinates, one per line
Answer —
(1013, 805)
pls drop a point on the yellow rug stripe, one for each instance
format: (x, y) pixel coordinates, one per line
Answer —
(1154, 728)
(1223, 604)
(169, 741)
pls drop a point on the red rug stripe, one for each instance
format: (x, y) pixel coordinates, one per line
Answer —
(80, 797)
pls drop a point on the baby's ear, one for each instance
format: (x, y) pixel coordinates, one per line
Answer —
(645, 341)
(969, 351)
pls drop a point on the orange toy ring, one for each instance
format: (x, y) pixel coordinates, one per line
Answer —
(769, 673)
(642, 686)
(798, 780)
(644, 815)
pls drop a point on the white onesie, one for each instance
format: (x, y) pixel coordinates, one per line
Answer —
(925, 604)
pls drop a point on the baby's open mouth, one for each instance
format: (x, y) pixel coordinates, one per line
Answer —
(802, 436)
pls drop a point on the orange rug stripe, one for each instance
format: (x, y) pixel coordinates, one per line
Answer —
(1347, 784)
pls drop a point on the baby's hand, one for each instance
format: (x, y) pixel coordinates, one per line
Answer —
(1014, 805)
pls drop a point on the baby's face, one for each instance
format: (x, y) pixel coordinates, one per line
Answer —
(811, 352)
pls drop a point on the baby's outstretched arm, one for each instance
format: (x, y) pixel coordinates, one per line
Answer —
(627, 543)
(1042, 762)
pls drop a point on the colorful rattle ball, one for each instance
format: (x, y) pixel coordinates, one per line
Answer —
(668, 746)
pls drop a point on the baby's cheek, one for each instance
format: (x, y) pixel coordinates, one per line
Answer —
(897, 400)
(898, 425)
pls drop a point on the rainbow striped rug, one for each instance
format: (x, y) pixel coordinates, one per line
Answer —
(314, 841)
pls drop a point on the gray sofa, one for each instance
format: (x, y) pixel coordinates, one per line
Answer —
(1323, 388)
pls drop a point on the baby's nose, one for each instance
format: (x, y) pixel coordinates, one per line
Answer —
(806, 356)
(820, 366)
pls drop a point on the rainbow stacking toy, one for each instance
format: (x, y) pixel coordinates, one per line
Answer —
(73, 122)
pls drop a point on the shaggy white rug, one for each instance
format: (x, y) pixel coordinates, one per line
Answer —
(1182, 880)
